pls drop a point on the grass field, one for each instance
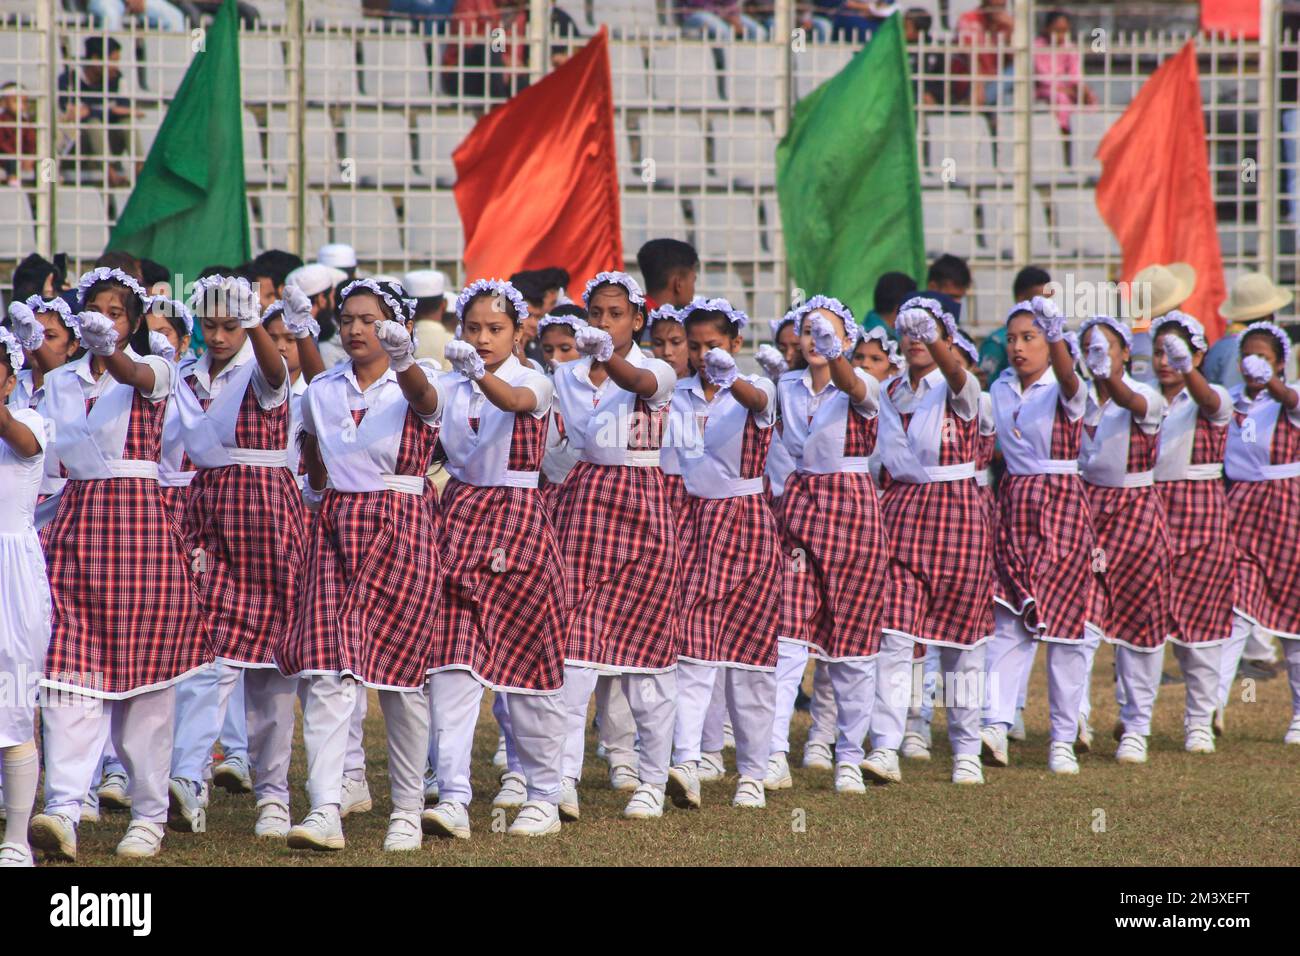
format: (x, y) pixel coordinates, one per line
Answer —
(1237, 807)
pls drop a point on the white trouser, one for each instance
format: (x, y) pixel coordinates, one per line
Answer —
(893, 691)
(1200, 667)
(822, 707)
(1024, 683)
(75, 728)
(925, 685)
(354, 766)
(501, 713)
(1091, 642)
(715, 721)
(269, 699)
(959, 676)
(651, 698)
(327, 706)
(201, 703)
(579, 684)
(695, 684)
(749, 697)
(1260, 646)
(234, 729)
(615, 724)
(1231, 657)
(1137, 678)
(854, 684)
(406, 724)
(791, 660)
(534, 729)
(112, 762)
(455, 697)
(1009, 652)
(1291, 651)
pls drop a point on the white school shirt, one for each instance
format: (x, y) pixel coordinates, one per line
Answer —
(206, 386)
(1103, 455)
(362, 457)
(814, 424)
(711, 437)
(209, 436)
(1178, 438)
(25, 396)
(1024, 419)
(21, 477)
(912, 454)
(480, 457)
(988, 428)
(599, 421)
(297, 389)
(1249, 455)
(780, 464)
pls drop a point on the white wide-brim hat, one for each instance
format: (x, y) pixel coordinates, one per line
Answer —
(1254, 296)
(1171, 285)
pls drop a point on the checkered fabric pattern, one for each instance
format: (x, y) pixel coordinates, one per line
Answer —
(1202, 560)
(1131, 602)
(1264, 516)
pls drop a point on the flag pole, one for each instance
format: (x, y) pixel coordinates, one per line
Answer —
(1266, 165)
(297, 124)
(1022, 38)
(783, 35)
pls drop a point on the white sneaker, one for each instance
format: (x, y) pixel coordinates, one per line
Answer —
(1293, 732)
(967, 769)
(1132, 749)
(993, 745)
(430, 788)
(16, 854)
(322, 829)
(647, 803)
(272, 819)
(536, 818)
(403, 832)
(356, 797)
(710, 768)
(728, 736)
(232, 775)
(749, 794)
(1017, 731)
(448, 819)
(602, 752)
(1200, 740)
(818, 756)
(1220, 721)
(142, 840)
(881, 766)
(569, 811)
(1061, 758)
(915, 746)
(90, 808)
(683, 787)
(113, 792)
(1083, 742)
(778, 773)
(513, 792)
(848, 778)
(499, 758)
(56, 834)
(187, 805)
(623, 778)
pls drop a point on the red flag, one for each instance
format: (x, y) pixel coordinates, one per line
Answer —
(1154, 191)
(1231, 17)
(536, 179)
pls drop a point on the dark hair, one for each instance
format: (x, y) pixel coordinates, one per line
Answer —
(920, 16)
(949, 270)
(719, 320)
(1027, 278)
(660, 259)
(120, 260)
(151, 273)
(570, 308)
(276, 264)
(30, 275)
(1159, 328)
(892, 289)
(226, 272)
(130, 301)
(94, 48)
(429, 303)
(1050, 17)
(533, 284)
(1273, 343)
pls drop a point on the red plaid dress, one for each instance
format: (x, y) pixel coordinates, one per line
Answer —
(1130, 605)
(503, 581)
(1264, 519)
(836, 555)
(732, 592)
(622, 569)
(248, 523)
(1045, 541)
(368, 600)
(940, 565)
(679, 502)
(1202, 560)
(126, 618)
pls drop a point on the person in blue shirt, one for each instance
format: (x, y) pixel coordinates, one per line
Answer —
(1253, 298)
(1029, 282)
(892, 290)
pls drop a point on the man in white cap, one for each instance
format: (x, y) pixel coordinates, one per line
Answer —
(1252, 298)
(339, 255)
(1155, 290)
(434, 326)
(318, 281)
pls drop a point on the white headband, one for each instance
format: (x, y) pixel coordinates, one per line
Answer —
(634, 293)
(1040, 307)
(39, 304)
(1116, 325)
(830, 304)
(699, 304)
(497, 287)
(1271, 329)
(967, 346)
(1195, 331)
(665, 313)
(105, 274)
(777, 325)
(932, 307)
(574, 322)
(13, 348)
(175, 307)
(403, 309)
(887, 345)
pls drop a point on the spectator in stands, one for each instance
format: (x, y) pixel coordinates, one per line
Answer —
(37, 276)
(984, 28)
(720, 20)
(669, 268)
(933, 70)
(1253, 298)
(1029, 282)
(431, 16)
(476, 69)
(950, 275)
(856, 20)
(158, 14)
(17, 134)
(892, 290)
(1058, 69)
(811, 18)
(435, 324)
(88, 99)
(156, 279)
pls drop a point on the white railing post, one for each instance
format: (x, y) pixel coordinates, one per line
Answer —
(1266, 179)
(47, 133)
(1022, 103)
(298, 128)
(783, 25)
(539, 30)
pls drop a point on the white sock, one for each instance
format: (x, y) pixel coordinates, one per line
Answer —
(20, 768)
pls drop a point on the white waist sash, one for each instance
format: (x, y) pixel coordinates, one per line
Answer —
(1290, 469)
(176, 479)
(1210, 472)
(984, 477)
(854, 465)
(957, 472)
(127, 468)
(645, 458)
(259, 457)
(1139, 479)
(737, 488)
(403, 484)
(1057, 466)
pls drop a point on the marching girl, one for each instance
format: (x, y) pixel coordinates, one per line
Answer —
(127, 624)
(370, 585)
(617, 537)
(25, 612)
(502, 623)
(877, 354)
(732, 554)
(48, 332)
(1189, 480)
(1263, 463)
(668, 344)
(243, 525)
(1117, 464)
(555, 333)
(174, 322)
(939, 590)
(835, 545)
(1043, 551)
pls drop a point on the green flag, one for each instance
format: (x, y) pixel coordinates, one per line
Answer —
(188, 209)
(847, 178)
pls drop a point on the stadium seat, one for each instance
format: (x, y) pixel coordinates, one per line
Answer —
(271, 12)
(433, 231)
(1087, 128)
(146, 128)
(999, 212)
(320, 145)
(368, 221)
(650, 215)
(378, 144)
(683, 73)
(966, 141)
(335, 12)
(276, 219)
(166, 58)
(675, 143)
(716, 281)
(13, 64)
(727, 228)
(17, 226)
(626, 16)
(331, 68)
(768, 302)
(628, 169)
(82, 227)
(437, 136)
(256, 171)
(818, 63)
(396, 69)
(262, 68)
(1046, 148)
(1079, 229)
(631, 78)
(948, 215)
(984, 308)
(745, 148)
(750, 75)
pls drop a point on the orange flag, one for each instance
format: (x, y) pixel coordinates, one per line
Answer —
(536, 179)
(1154, 191)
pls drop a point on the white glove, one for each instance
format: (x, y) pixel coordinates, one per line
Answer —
(246, 305)
(1257, 370)
(1048, 318)
(27, 328)
(396, 341)
(720, 367)
(464, 358)
(1177, 354)
(159, 344)
(826, 342)
(594, 342)
(769, 359)
(98, 334)
(297, 315)
(1097, 357)
(917, 324)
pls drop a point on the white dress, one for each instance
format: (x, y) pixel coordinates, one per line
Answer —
(25, 607)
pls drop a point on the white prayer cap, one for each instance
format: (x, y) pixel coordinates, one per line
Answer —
(337, 254)
(315, 278)
(424, 283)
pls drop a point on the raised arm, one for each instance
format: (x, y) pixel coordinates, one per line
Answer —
(420, 393)
(300, 323)
(100, 338)
(1179, 356)
(17, 435)
(464, 358)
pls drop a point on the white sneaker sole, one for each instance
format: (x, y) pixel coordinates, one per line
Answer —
(437, 827)
(626, 786)
(510, 802)
(300, 840)
(680, 794)
(522, 832)
(642, 814)
(114, 799)
(880, 777)
(49, 839)
(362, 806)
(228, 780)
(137, 853)
(998, 758)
